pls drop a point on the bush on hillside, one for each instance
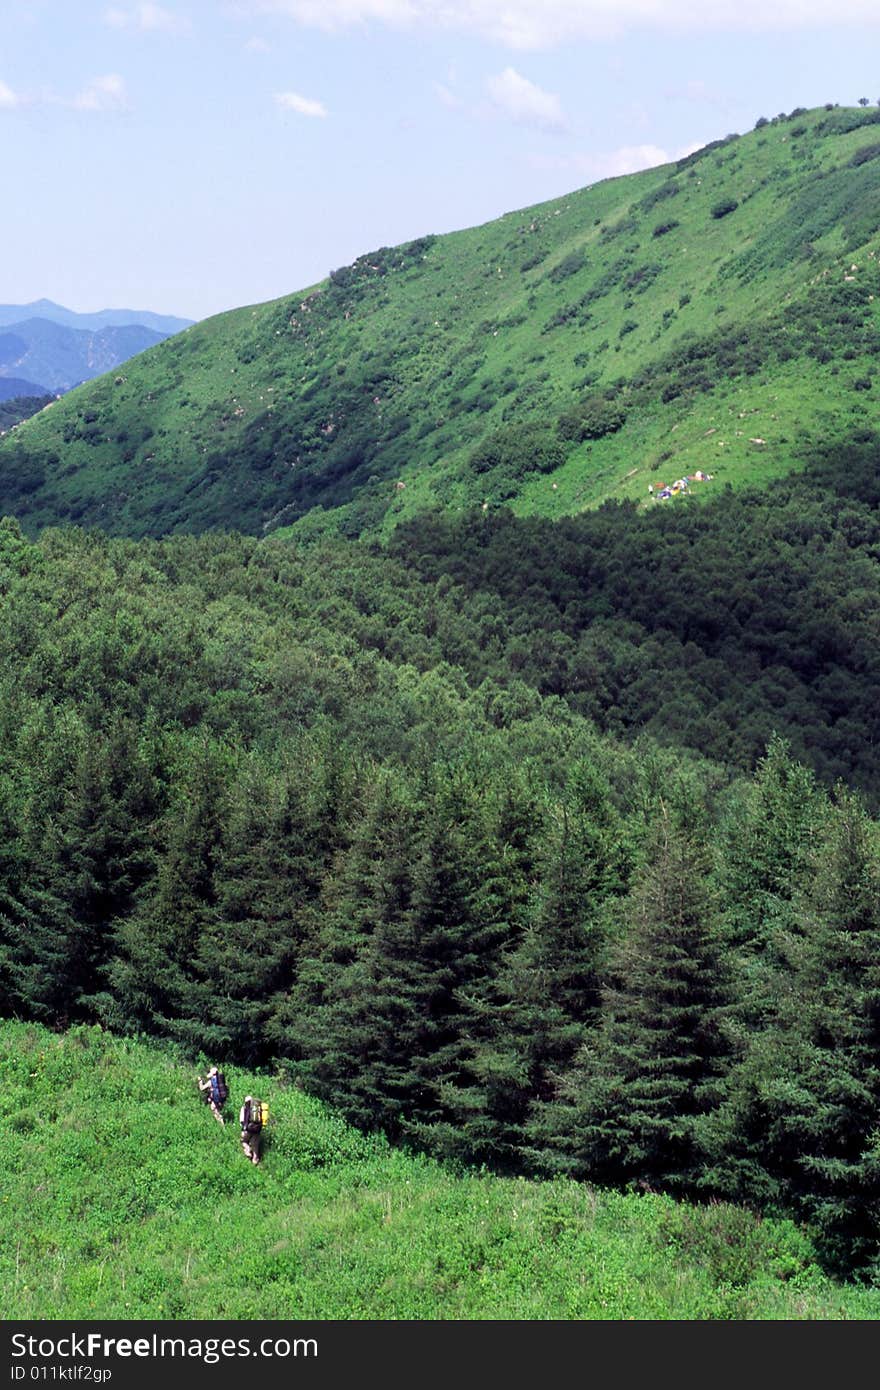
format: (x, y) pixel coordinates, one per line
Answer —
(517, 449)
(669, 189)
(592, 418)
(866, 153)
(573, 262)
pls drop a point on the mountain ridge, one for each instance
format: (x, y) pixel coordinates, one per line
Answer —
(103, 318)
(714, 316)
(61, 358)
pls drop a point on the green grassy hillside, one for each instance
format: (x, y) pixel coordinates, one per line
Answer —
(718, 314)
(122, 1198)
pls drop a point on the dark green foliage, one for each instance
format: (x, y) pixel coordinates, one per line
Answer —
(348, 808)
(689, 160)
(112, 1163)
(726, 206)
(641, 277)
(21, 408)
(376, 264)
(341, 808)
(670, 189)
(800, 1119)
(593, 418)
(395, 368)
(712, 626)
(573, 262)
(158, 945)
(637, 1093)
(515, 450)
(841, 122)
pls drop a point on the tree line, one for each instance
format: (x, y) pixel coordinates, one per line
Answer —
(305, 806)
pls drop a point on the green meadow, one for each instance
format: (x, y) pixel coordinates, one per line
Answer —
(549, 360)
(122, 1198)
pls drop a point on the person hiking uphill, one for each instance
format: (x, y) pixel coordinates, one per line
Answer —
(250, 1117)
(215, 1091)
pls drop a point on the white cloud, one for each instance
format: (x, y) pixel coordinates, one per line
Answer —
(257, 45)
(520, 99)
(533, 24)
(340, 14)
(106, 93)
(694, 91)
(446, 96)
(102, 94)
(148, 18)
(304, 106)
(628, 159)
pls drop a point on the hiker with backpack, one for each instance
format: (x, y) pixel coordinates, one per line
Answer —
(251, 1118)
(215, 1091)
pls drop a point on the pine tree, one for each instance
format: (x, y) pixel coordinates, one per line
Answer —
(769, 840)
(530, 1019)
(389, 1034)
(83, 853)
(332, 1024)
(152, 973)
(802, 1120)
(479, 1087)
(636, 1094)
(265, 886)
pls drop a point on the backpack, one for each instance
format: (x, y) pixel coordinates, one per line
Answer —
(219, 1089)
(253, 1117)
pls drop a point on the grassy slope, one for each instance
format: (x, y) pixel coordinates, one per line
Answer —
(122, 1198)
(392, 375)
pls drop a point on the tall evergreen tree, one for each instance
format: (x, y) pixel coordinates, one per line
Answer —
(332, 1025)
(391, 1030)
(152, 972)
(530, 1018)
(266, 882)
(635, 1094)
(802, 1119)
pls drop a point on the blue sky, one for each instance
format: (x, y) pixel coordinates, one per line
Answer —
(196, 155)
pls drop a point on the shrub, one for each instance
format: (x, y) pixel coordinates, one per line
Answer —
(669, 189)
(573, 262)
(722, 209)
(517, 449)
(643, 275)
(591, 418)
(663, 227)
(866, 153)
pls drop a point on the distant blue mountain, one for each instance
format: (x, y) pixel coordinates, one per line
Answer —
(13, 386)
(53, 349)
(164, 324)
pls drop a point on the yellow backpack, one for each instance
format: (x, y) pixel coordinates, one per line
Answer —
(258, 1116)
